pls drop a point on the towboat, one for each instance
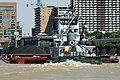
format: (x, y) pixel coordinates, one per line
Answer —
(69, 35)
(78, 56)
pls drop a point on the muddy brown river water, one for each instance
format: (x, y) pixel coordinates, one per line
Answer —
(69, 70)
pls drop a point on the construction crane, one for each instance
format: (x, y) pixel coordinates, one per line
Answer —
(39, 4)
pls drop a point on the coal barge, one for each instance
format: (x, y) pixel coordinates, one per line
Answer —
(26, 55)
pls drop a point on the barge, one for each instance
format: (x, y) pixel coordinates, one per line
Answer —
(25, 58)
(109, 59)
(26, 55)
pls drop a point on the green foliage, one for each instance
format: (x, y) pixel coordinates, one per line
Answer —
(50, 34)
(99, 34)
(101, 45)
(107, 34)
(88, 34)
(110, 45)
(44, 46)
(118, 44)
(105, 45)
(6, 45)
(115, 35)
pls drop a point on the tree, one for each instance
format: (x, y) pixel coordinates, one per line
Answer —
(107, 35)
(44, 46)
(101, 45)
(6, 45)
(98, 34)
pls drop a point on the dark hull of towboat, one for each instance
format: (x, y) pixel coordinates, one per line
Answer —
(82, 59)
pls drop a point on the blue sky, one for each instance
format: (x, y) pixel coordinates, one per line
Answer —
(26, 14)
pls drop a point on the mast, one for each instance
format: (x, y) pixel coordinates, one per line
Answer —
(39, 3)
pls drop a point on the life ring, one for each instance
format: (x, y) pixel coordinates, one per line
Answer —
(72, 42)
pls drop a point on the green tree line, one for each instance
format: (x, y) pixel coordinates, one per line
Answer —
(108, 46)
(99, 35)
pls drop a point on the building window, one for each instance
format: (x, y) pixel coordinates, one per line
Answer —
(13, 17)
(12, 26)
(0, 17)
(1, 32)
(6, 8)
(7, 32)
(0, 21)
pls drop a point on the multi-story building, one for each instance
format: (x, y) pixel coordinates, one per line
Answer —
(102, 15)
(9, 27)
(44, 20)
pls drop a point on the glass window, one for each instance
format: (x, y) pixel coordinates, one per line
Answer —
(12, 25)
(12, 32)
(6, 7)
(0, 21)
(0, 31)
(0, 17)
(7, 32)
(13, 17)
